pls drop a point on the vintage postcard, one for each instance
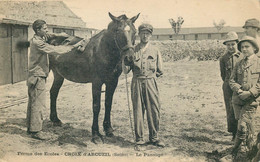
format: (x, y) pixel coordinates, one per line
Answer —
(129, 80)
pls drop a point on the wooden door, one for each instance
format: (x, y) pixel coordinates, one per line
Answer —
(5, 55)
(19, 53)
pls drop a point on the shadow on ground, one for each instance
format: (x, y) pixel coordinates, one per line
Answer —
(66, 134)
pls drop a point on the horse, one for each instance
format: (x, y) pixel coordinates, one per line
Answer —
(99, 63)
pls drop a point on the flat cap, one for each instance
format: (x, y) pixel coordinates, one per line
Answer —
(252, 23)
(250, 40)
(145, 27)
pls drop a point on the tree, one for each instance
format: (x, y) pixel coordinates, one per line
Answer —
(176, 26)
(219, 25)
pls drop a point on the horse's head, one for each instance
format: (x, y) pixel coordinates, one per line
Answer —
(124, 33)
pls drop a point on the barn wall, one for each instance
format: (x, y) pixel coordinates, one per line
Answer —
(13, 53)
(5, 54)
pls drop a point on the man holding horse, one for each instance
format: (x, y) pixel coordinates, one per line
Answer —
(146, 66)
(38, 72)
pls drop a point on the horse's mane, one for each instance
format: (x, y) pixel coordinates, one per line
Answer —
(98, 34)
(112, 25)
(123, 17)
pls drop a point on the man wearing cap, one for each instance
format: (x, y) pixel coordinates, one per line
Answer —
(227, 64)
(252, 28)
(245, 84)
(146, 66)
(38, 72)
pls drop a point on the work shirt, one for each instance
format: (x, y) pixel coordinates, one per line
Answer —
(245, 76)
(147, 62)
(227, 64)
(38, 57)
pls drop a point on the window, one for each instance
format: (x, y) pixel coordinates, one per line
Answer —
(170, 36)
(196, 36)
(17, 32)
(209, 36)
(61, 30)
(183, 37)
(223, 35)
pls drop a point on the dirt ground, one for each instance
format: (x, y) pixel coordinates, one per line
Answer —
(193, 121)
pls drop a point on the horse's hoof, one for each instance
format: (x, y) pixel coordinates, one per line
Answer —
(109, 134)
(108, 130)
(57, 123)
(97, 138)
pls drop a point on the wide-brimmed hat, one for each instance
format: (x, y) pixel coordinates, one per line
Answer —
(248, 39)
(252, 23)
(145, 27)
(231, 36)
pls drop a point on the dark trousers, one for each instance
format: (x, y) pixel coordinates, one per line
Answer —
(231, 120)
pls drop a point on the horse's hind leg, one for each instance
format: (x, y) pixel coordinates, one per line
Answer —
(56, 85)
(110, 89)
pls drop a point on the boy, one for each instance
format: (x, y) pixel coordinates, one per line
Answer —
(146, 66)
(38, 72)
(245, 83)
(227, 64)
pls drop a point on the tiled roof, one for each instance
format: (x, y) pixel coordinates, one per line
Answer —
(169, 31)
(26, 12)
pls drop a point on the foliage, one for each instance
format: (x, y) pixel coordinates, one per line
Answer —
(176, 26)
(201, 50)
(219, 25)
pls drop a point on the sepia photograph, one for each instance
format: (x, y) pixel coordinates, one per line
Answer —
(130, 80)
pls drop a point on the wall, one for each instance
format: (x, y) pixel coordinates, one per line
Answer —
(200, 36)
(13, 53)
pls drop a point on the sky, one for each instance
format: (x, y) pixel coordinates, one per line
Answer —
(196, 13)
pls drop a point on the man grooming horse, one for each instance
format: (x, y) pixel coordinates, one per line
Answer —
(38, 72)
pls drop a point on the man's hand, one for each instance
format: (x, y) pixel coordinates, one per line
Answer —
(79, 45)
(128, 60)
(239, 91)
(244, 95)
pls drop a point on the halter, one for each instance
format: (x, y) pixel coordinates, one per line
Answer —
(127, 46)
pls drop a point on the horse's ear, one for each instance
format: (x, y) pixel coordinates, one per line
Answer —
(113, 17)
(133, 19)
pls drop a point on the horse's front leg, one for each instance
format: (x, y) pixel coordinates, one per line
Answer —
(54, 91)
(96, 95)
(110, 89)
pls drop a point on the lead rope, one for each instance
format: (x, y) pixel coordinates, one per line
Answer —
(136, 148)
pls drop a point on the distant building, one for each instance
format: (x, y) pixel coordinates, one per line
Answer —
(57, 15)
(202, 33)
(16, 18)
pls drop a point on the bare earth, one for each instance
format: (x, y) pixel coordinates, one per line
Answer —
(193, 121)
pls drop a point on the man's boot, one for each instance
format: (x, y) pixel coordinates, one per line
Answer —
(234, 135)
(234, 132)
(236, 147)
